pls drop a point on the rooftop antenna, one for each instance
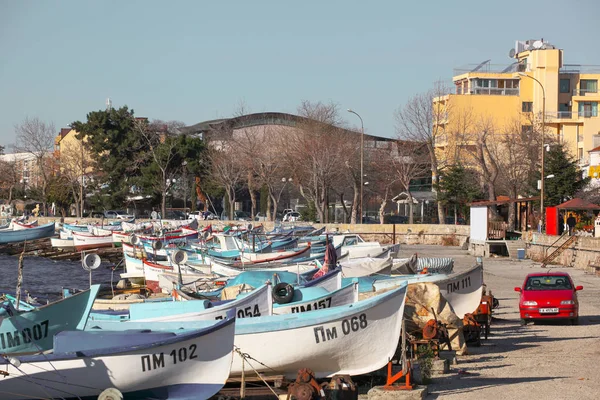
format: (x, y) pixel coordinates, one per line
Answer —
(108, 104)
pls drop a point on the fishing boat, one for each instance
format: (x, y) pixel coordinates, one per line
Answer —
(355, 246)
(86, 241)
(257, 303)
(462, 290)
(138, 364)
(38, 232)
(32, 330)
(19, 225)
(62, 244)
(348, 340)
(316, 298)
(227, 269)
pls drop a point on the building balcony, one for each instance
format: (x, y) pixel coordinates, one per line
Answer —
(562, 115)
(580, 69)
(586, 93)
(494, 91)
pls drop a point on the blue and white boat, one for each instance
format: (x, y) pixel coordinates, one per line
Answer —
(32, 330)
(38, 232)
(137, 364)
(348, 340)
(257, 303)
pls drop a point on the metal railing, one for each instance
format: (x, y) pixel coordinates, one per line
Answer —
(494, 91)
(580, 69)
(562, 115)
(585, 92)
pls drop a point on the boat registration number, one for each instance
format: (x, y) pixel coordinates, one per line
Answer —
(548, 310)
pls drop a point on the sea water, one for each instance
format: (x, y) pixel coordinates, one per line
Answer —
(45, 278)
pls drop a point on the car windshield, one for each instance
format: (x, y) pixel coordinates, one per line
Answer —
(548, 282)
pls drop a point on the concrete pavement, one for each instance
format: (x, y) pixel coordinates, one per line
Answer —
(540, 361)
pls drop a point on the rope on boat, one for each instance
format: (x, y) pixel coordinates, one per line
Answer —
(246, 357)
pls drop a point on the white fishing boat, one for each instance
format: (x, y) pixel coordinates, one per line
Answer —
(140, 364)
(462, 290)
(348, 340)
(308, 299)
(85, 241)
(355, 246)
(365, 266)
(257, 303)
(62, 244)
(225, 269)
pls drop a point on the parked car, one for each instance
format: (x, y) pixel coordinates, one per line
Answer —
(175, 214)
(548, 296)
(395, 219)
(202, 215)
(292, 217)
(260, 217)
(117, 214)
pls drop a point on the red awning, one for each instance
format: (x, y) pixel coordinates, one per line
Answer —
(578, 204)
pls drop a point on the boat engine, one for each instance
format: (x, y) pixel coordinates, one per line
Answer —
(305, 387)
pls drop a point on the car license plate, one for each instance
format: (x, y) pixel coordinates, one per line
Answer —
(548, 310)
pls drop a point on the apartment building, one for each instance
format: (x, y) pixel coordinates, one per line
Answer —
(536, 82)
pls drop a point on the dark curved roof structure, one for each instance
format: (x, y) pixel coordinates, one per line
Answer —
(256, 119)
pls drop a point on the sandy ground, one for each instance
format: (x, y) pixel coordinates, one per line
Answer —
(540, 361)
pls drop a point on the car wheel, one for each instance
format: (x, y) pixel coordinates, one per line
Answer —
(523, 322)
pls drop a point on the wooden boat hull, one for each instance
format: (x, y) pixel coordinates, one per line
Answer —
(138, 364)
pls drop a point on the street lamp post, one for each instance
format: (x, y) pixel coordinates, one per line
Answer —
(362, 145)
(541, 224)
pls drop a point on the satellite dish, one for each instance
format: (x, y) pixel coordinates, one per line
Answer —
(91, 262)
(180, 257)
(512, 53)
(249, 227)
(529, 47)
(205, 235)
(133, 239)
(538, 44)
(157, 245)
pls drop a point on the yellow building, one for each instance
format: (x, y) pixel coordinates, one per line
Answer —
(73, 159)
(504, 97)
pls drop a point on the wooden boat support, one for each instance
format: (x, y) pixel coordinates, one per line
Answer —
(43, 248)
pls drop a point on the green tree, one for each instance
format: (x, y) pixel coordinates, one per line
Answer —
(113, 144)
(59, 193)
(567, 179)
(457, 187)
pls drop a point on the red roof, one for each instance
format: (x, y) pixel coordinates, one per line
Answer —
(578, 204)
(594, 149)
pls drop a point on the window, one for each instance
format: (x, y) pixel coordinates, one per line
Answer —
(527, 106)
(588, 109)
(565, 85)
(588, 86)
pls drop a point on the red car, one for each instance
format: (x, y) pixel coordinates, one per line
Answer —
(550, 295)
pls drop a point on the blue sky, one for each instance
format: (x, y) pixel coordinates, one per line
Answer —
(197, 60)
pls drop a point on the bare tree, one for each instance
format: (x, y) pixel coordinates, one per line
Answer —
(9, 176)
(74, 164)
(313, 153)
(419, 121)
(226, 170)
(36, 137)
(162, 149)
(383, 181)
(411, 162)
